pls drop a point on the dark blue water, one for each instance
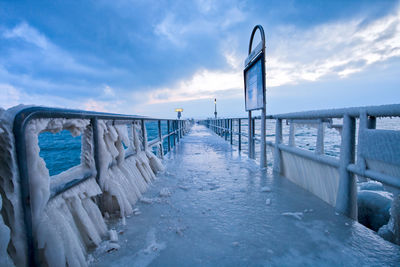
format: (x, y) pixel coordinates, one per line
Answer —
(62, 151)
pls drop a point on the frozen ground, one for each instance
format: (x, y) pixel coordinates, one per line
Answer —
(213, 207)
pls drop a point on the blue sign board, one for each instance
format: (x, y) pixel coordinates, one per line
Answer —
(254, 85)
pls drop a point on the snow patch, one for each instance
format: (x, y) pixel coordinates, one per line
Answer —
(297, 215)
(164, 192)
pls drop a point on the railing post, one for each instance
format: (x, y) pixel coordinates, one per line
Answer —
(346, 200)
(226, 128)
(169, 137)
(160, 139)
(231, 130)
(174, 129)
(178, 131)
(278, 141)
(95, 127)
(253, 139)
(250, 136)
(240, 134)
(144, 134)
(263, 152)
(292, 128)
(320, 138)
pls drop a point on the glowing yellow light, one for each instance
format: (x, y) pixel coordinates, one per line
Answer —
(179, 110)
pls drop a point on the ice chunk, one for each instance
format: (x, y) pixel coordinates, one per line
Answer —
(268, 201)
(373, 208)
(296, 215)
(371, 185)
(113, 235)
(266, 189)
(164, 192)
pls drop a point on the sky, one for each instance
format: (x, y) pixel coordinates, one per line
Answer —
(150, 57)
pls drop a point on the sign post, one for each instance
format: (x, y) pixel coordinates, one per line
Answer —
(254, 90)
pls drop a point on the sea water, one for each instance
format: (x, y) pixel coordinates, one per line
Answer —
(61, 151)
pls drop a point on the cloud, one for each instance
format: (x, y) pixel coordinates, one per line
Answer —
(334, 49)
(203, 84)
(28, 34)
(10, 96)
(340, 48)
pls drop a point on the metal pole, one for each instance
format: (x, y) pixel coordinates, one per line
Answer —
(250, 136)
(169, 137)
(240, 134)
(226, 129)
(231, 130)
(277, 152)
(144, 135)
(292, 127)
(320, 139)
(160, 138)
(253, 139)
(174, 129)
(346, 200)
(263, 152)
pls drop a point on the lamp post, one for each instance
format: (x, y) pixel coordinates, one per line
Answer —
(179, 111)
(215, 103)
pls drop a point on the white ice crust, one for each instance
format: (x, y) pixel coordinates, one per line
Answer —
(71, 223)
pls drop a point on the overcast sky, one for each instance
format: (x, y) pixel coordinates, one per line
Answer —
(149, 57)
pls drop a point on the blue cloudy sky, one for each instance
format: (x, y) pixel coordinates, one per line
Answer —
(148, 57)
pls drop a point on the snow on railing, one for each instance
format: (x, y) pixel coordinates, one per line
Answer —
(55, 220)
(376, 157)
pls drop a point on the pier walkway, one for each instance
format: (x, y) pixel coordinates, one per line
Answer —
(213, 207)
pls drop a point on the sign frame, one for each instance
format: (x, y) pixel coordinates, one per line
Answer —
(259, 58)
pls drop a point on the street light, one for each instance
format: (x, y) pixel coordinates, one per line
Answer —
(179, 110)
(215, 103)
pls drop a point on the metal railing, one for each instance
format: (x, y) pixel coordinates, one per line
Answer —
(351, 161)
(175, 131)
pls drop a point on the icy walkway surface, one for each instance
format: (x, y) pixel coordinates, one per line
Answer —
(214, 208)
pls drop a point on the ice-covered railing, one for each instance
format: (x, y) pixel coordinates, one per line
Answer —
(55, 220)
(364, 151)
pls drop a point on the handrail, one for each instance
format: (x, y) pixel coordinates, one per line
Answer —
(24, 116)
(348, 164)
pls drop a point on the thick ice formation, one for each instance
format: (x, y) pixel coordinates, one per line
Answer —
(10, 188)
(4, 239)
(68, 224)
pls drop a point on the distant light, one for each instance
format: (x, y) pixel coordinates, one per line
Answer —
(215, 101)
(179, 110)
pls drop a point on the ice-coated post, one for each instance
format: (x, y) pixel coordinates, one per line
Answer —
(174, 129)
(292, 128)
(159, 131)
(362, 126)
(177, 131)
(95, 129)
(240, 134)
(231, 129)
(346, 200)
(253, 138)
(250, 136)
(278, 141)
(144, 134)
(169, 139)
(320, 138)
(263, 152)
